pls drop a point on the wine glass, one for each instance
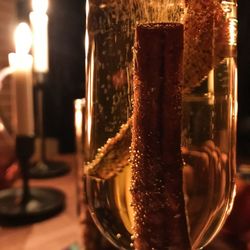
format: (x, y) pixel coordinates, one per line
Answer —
(208, 116)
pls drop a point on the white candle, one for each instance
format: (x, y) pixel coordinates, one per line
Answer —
(39, 23)
(79, 107)
(22, 62)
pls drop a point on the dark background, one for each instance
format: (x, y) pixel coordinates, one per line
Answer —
(244, 79)
(66, 77)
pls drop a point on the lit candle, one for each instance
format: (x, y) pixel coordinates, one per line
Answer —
(79, 106)
(39, 22)
(22, 62)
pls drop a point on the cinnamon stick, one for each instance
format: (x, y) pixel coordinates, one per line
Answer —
(157, 185)
(206, 39)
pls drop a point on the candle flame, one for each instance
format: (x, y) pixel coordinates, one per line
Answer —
(40, 6)
(23, 38)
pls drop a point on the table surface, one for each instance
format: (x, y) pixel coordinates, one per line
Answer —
(63, 230)
(56, 233)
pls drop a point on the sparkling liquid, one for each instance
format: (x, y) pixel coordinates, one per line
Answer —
(208, 149)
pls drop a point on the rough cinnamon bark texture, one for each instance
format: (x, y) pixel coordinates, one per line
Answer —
(205, 39)
(113, 156)
(157, 185)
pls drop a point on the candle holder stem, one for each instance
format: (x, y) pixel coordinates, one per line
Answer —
(26, 205)
(24, 150)
(26, 189)
(44, 168)
(40, 121)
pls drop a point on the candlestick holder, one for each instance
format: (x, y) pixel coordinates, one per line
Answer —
(44, 168)
(27, 205)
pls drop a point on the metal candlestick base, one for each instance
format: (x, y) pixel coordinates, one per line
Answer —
(27, 205)
(48, 169)
(42, 204)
